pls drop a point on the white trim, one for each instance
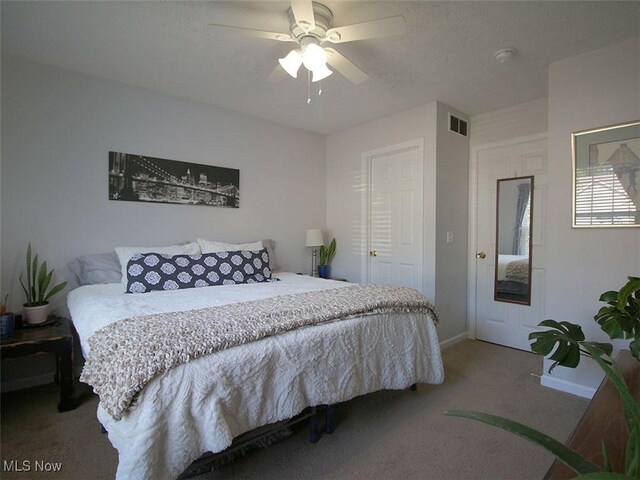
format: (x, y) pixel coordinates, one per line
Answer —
(565, 386)
(365, 199)
(473, 218)
(450, 342)
(27, 382)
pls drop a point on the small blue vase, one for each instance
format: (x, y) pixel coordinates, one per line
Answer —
(323, 271)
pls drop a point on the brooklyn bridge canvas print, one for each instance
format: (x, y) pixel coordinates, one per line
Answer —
(138, 178)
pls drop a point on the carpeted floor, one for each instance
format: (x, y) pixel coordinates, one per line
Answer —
(384, 435)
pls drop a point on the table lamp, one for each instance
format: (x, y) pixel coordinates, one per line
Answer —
(314, 240)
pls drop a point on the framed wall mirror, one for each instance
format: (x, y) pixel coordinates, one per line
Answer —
(514, 223)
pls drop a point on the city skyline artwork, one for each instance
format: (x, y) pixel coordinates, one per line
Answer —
(138, 178)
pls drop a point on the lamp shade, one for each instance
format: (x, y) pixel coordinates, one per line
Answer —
(321, 73)
(291, 63)
(314, 238)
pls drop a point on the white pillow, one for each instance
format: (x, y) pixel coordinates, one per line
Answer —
(210, 246)
(125, 254)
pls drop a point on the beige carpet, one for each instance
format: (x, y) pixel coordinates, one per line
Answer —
(385, 435)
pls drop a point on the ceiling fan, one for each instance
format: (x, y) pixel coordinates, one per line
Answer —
(310, 27)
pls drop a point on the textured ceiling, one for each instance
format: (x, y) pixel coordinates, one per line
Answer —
(446, 54)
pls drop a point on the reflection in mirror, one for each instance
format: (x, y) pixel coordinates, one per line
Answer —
(513, 240)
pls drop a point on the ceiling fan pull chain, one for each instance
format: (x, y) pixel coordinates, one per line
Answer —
(308, 87)
(320, 88)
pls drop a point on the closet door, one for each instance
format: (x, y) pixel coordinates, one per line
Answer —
(395, 222)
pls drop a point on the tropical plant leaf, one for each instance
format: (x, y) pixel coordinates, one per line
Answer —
(610, 297)
(632, 453)
(625, 295)
(564, 337)
(572, 459)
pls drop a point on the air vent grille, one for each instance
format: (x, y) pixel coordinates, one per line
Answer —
(458, 125)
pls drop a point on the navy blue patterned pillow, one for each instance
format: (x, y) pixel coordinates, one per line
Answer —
(155, 271)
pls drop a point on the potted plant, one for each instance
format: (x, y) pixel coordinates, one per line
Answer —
(565, 343)
(37, 290)
(6, 319)
(326, 255)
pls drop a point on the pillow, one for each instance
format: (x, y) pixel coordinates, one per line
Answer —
(270, 245)
(95, 269)
(147, 272)
(125, 254)
(211, 246)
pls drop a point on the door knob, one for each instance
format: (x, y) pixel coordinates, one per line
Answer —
(373, 253)
(481, 255)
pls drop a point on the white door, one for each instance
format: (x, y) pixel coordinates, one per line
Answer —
(395, 221)
(499, 322)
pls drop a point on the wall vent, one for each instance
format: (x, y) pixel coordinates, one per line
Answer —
(459, 126)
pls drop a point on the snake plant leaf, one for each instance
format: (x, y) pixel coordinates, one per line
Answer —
(55, 290)
(45, 285)
(572, 459)
(42, 277)
(34, 271)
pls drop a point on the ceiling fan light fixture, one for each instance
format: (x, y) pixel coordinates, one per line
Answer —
(291, 63)
(320, 73)
(314, 57)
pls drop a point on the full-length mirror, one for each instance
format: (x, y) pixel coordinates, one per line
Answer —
(514, 215)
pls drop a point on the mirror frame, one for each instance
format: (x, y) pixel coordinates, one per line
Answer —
(527, 301)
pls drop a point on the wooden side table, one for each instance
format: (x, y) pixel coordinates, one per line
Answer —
(56, 337)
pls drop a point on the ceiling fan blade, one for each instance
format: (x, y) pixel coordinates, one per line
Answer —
(252, 32)
(384, 27)
(344, 66)
(277, 74)
(303, 13)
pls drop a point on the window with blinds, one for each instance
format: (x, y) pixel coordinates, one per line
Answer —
(601, 199)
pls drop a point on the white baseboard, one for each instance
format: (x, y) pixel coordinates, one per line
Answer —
(453, 340)
(565, 386)
(27, 382)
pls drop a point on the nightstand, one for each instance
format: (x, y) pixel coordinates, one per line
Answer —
(55, 337)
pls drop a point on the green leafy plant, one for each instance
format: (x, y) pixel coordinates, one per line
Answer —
(565, 344)
(38, 281)
(327, 253)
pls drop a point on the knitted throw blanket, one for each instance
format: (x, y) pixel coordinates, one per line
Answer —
(127, 354)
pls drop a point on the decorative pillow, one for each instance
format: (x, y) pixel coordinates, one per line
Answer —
(155, 271)
(96, 268)
(211, 246)
(125, 254)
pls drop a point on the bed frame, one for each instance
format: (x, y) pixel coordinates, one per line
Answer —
(267, 435)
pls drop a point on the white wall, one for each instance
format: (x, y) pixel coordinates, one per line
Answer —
(590, 90)
(57, 129)
(445, 152)
(452, 197)
(520, 120)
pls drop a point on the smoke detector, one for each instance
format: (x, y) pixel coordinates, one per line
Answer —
(505, 54)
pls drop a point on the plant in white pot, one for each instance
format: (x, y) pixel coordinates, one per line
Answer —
(37, 290)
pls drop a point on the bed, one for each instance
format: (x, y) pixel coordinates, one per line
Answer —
(203, 404)
(512, 279)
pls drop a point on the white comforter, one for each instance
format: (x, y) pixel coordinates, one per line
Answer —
(202, 405)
